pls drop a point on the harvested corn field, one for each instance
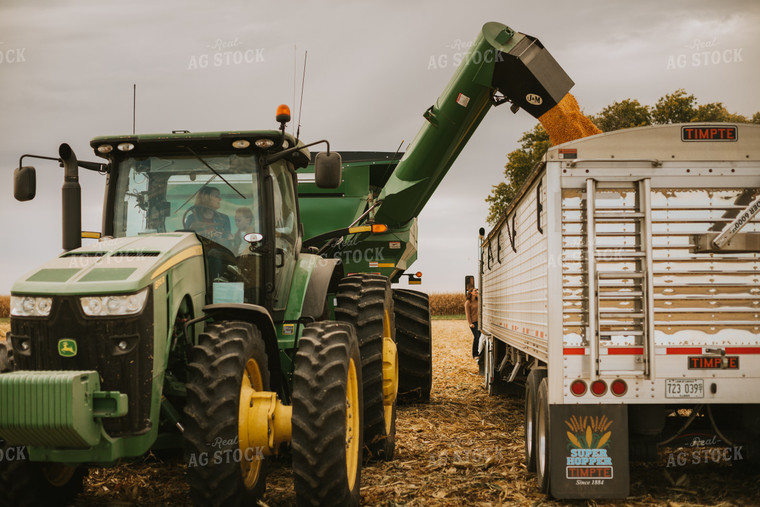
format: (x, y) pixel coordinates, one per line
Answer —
(463, 448)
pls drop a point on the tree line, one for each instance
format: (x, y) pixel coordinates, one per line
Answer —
(676, 107)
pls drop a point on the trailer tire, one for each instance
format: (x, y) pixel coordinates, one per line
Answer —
(531, 393)
(543, 432)
(327, 416)
(415, 345)
(229, 357)
(366, 301)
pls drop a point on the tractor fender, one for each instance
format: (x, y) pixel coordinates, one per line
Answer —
(261, 318)
(325, 276)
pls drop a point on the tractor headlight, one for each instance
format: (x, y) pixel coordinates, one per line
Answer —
(31, 306)
(102, 306)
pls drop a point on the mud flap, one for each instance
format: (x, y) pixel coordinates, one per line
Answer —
(589, 451)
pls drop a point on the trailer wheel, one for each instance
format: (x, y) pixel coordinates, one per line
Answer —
(415, 345)
(366, 301)
(229, 360)
(494, 383)
(543, 430)
(531, 394)
(327, 416)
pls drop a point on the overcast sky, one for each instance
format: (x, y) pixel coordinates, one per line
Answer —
(67, 70)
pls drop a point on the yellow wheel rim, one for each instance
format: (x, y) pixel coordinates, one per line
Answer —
(352, 425)
(58, 474)
(251, 462)
(390, 373)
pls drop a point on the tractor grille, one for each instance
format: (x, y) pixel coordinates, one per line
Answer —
(128, 371)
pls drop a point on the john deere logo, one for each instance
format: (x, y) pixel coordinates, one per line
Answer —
(67, 347)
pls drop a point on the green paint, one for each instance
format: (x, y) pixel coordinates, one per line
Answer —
(53, 275)
(107, 274)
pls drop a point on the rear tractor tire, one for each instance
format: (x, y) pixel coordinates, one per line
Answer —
(327, 416)
(415, 345)
(228, 362)
(366, 301)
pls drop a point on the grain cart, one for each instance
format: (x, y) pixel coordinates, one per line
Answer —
(621, 286)
(176, 331)
(502, 66)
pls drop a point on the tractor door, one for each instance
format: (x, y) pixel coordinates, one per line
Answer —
(285, 231)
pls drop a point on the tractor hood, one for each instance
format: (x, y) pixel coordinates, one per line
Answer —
(113, 266)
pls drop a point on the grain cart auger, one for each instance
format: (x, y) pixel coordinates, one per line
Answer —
(175, 330)
(501, 66)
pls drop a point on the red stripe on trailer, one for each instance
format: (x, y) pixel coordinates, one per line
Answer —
(683, 350)
(625, 351)
(574, 351)
(742, 350)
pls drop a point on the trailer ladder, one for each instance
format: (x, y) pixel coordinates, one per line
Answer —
(620, 289)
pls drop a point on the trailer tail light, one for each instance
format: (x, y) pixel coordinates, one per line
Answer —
(598, 387)
(619, 387)
(578, 387)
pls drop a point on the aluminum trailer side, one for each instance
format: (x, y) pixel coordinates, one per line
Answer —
(604, 291)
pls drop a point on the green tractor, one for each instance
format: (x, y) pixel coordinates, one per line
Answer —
(178, 330)
(175, 330)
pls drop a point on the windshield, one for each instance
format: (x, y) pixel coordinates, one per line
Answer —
(164, 194)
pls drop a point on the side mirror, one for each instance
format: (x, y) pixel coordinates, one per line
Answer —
(24, 183)
(253, 238)
(327, 169)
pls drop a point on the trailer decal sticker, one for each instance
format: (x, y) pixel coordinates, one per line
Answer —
(709, 133)
(463, 100)
(568, 153)
(288, 329)
(588, 441)
(713, 362)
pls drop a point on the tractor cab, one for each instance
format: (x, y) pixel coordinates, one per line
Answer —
(229, 189)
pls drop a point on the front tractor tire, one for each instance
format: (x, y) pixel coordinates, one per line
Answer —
(228, 362)
(415, 345)
(327, 416)
(23, 482)
(366, 301)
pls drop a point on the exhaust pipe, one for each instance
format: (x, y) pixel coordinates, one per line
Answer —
(71, 200)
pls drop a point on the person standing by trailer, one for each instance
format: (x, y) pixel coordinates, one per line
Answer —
(471, 312)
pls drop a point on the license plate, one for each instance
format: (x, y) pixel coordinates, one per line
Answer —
(684, 388)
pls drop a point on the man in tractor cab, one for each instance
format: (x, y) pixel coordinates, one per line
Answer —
(204, 218)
